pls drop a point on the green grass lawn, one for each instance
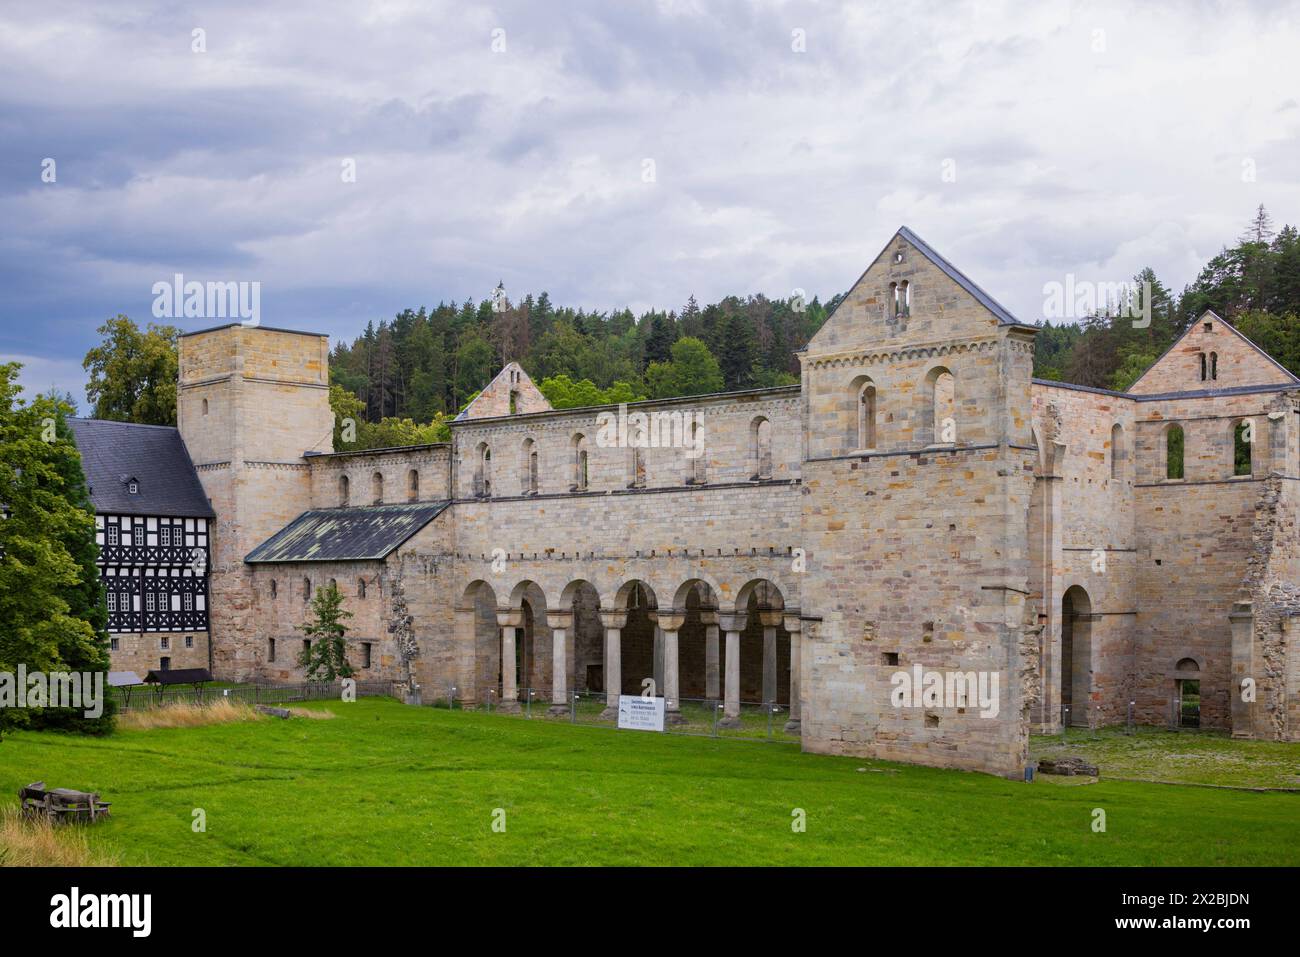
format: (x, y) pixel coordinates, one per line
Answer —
(1185, 756)
(388, 784)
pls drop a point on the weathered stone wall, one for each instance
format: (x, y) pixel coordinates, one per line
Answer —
(727, 446)
(430, 463)
(144, 653)
(918, 550)
(251, 402)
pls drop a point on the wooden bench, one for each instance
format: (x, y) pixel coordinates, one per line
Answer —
(61, 804)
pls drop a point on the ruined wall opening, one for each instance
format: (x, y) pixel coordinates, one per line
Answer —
(1174, 447)
(1076, 657)
(1243, 434)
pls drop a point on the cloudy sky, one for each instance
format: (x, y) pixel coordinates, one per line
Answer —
(616, 153)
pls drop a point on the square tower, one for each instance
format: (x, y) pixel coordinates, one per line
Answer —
(251, 402)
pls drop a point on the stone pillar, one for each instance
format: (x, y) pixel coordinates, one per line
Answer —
(561, 624)
(658, 662)
(670, 625)
(732, 625)
(467, 657)
(614, 622)
(709, 619)
(794, 626)
(1243, 667)
(510, 623)
(769, 620)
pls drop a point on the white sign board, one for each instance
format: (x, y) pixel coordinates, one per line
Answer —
(640, 714)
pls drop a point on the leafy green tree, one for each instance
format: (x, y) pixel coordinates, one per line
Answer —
(133, 374)
(326, 656)
(40, 578)
(85, 597)
(692, 371)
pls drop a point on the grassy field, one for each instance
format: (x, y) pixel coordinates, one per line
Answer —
(1182, 757)
(387, 784)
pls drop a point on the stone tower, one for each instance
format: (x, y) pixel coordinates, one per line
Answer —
(251, 402)
(917, 475)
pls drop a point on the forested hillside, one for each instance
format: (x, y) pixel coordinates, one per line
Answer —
(403, 379)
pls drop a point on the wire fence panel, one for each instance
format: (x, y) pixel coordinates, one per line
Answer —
(141, 696)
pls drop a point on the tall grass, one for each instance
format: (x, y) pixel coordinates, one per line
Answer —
(187, 715)
(35, 842)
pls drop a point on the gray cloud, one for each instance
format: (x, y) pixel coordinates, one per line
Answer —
(1092, 138)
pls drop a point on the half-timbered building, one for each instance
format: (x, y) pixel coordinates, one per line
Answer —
(152, 522)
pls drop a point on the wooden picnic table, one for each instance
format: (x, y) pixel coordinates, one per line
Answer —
(61, 804)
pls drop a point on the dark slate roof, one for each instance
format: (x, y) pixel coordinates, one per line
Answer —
(960, 278)
(179, 676)
(346, 534)
(113, 453)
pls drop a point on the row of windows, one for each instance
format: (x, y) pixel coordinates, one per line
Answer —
(377, 488)
(695, 471)
(164, 644)
(1175, 449)
(153, 601)
(938, 421)
(367, 655)
(307, 589)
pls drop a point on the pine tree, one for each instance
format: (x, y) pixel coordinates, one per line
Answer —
(326, 656)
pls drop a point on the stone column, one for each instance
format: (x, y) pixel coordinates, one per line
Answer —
(732, 625)
(769, 620)
(561, 624)
(709, 619)
(614, 622)
(466, 654)
(671, 624)
(658, 661)
(510, 623)
(795, 627)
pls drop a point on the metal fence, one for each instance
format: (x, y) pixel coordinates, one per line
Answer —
(701, 717)
(144, 696)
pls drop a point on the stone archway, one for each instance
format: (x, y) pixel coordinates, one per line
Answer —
(1076, 658)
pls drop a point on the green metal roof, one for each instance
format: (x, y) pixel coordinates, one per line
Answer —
(346, 534)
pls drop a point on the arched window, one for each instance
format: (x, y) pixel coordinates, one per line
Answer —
(696, 467)
(1117, 451)
(1214, 365)
(905, 299)
(939, 412)
(581, 475)
(1204, 367)
(638, 467)
(760, 447)
(483, 470)
(205, 406)
(343, 490)
(413, 485)
(334, 584)
(894, 299)
(1174, 452)
(306, 590)
(865, 416)
(377, 488)
(361, 588)
(528, 467)
(275, 589)
(1243, 443)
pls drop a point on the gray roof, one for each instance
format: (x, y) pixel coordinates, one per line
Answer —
(960, 278)
(346, 534)
(114, 453)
